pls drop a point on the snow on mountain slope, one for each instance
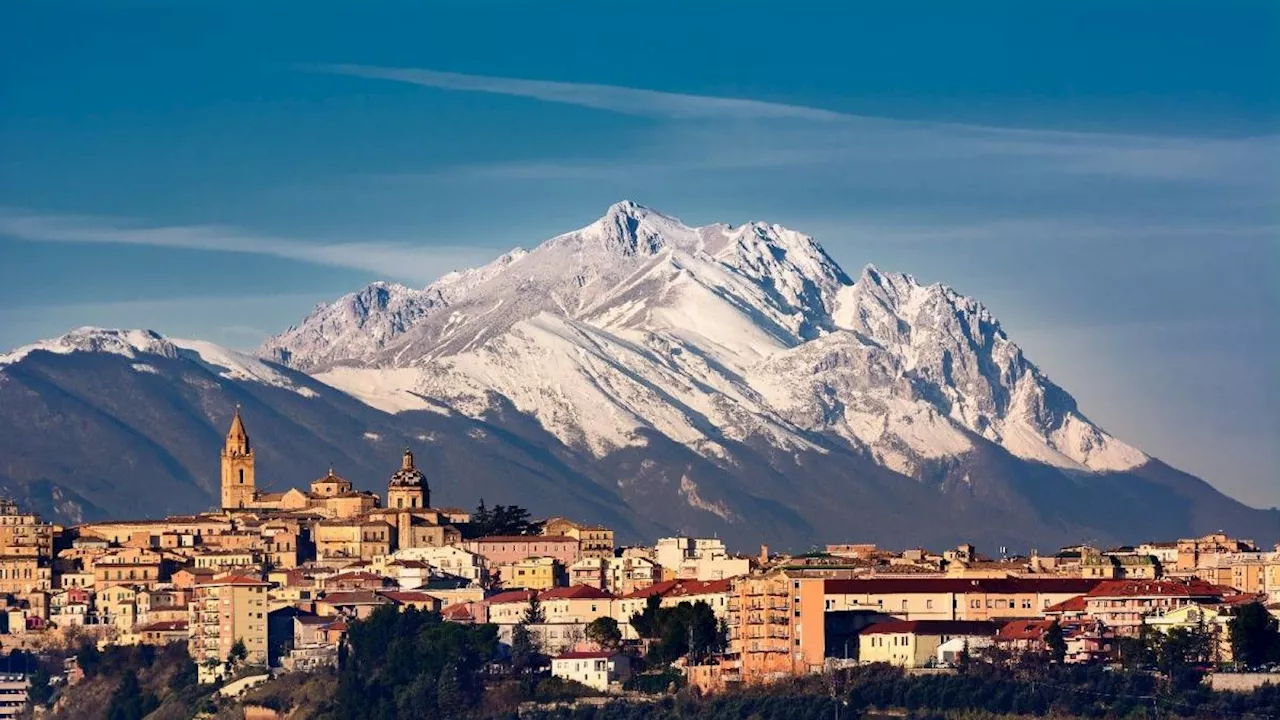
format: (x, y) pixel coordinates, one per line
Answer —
(639, 324)
(137, 344)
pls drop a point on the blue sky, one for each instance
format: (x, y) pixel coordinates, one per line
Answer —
(1102, 174)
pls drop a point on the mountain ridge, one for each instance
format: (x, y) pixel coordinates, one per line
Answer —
(659, 377)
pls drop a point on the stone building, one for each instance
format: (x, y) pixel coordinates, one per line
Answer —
(408, 489)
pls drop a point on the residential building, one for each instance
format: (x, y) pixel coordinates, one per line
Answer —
(1125, 605)
(506, 549)
(698, 559)
(13, 695)
(535, 573)
(594, 541)
(228, 609)
(603, 670)
(915, 643)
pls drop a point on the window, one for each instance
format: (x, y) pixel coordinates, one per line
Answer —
(928, 604)
(241, 476)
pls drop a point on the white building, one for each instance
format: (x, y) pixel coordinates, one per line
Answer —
(13, 695)
(597, 670)
(698, 559)
(450, 560)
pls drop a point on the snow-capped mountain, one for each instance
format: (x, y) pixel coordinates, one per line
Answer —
(638, 324)
(659, 378)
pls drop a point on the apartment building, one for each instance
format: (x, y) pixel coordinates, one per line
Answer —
(223, 611)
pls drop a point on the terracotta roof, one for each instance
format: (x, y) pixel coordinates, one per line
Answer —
(1075, 604)
(511, 596)
(1149, 588)
(459, 612)
(235, 580)
(860, 586)
(1024, 630)
(577, 592)
(932, 627)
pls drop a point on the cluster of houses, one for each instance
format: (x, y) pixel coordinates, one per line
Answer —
(283, 574)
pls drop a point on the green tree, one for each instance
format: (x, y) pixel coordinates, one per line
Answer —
(238, 653)
(128, 702)
(604, 631)
(1255, 638)
(645, 623)
(451, 699)
(1056, 642)
(534, 614)
(40, 690)
(524, 649)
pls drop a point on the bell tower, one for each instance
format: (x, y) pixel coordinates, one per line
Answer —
(237, 467)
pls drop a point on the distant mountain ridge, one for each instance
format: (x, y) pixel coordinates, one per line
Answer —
(660, 377)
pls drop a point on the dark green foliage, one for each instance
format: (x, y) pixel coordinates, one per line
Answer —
(238, 653)
(1053, 690)
(524, 650)
(604, 632)
(89, 659)
(129, 702)
(534, 614)
(687, 629)
(40, 690)
(1254, 636)
(411, 664)
(501, 520)
(185, 676)
(1056, 642)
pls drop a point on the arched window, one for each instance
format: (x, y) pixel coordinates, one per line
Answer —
(241, 476)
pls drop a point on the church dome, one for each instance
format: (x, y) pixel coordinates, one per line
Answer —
(408, 475)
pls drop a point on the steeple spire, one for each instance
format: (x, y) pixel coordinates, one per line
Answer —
(237, 438)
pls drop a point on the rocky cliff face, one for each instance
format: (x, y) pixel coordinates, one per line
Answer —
(637, 371)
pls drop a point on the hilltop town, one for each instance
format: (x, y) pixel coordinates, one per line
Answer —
(276, 579)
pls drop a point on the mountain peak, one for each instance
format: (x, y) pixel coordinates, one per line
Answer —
(631, 229)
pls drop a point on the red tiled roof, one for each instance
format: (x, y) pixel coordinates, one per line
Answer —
(236, 580)
(1024, 630)
(1149, 588)
(660, 589)
(859, 586)
(511, 596)
(699, 587)
(932, 627)
(1073, 605)
(458, 612)
(577, 592)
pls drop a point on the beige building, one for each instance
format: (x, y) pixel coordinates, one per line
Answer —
(594, 541)
(353, 539)
(227, 609)
(915, 643)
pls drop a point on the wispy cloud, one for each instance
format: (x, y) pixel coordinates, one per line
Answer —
(629, 101)
(769, 134)
(421, 263)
